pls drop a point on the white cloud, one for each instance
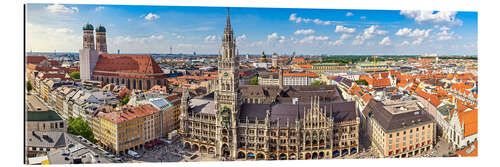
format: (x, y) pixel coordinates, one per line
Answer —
(241, 37)
(156, 37)
(349, 14)
(293, 17)
(321, 22)
(336, 43)
(344, 36)
(57, 8)
(282, 39)
(417, 41)
(381, 32)
(415, 33)
(304, 31)
(404, 43)
(429, 16)
(179, 37)
(129, 20)
(151, 16)
(61, 38)
(386, 41)
(258, 43)
(339, 41)
(445, 35)
(444, 28)
(367, 34)
(210, 38)
(99, 8)
(312, 38)
(341, 28)
(272, 36)
(362, 17)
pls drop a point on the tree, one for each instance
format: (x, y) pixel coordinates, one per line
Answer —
(29, 86)
(125, 99)
(78, 126)
(316, 82)
(75, 75)
(361, 82)
(254, 81)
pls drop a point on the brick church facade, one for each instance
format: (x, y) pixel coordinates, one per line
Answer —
(134, 71)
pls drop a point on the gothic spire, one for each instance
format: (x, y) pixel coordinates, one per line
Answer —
(228, 22)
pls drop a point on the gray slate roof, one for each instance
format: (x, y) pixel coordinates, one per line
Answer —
(390, 121)
(341, 111)
(45, 139)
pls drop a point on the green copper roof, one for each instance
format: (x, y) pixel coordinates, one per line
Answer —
(100, 29)
(49, 115)
(88, 27)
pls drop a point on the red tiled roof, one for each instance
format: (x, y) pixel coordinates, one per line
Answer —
(135, 66)
(464, 152)
(298, 60)
(469, 120)
(366, 97)
(381, 82)
(435, 100)
(129, 113)
(54, 63)
(35, 59)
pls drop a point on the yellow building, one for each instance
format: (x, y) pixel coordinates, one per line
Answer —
(118, 131)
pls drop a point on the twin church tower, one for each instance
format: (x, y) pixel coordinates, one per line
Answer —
(90, 52)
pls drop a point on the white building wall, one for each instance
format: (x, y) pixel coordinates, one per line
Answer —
(88, 60)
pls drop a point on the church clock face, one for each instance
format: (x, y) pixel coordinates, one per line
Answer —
(225, 74)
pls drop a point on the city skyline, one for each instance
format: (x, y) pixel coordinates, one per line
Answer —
(154, 29)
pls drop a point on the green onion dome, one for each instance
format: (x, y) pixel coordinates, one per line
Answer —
(100, 29)
(88, 27)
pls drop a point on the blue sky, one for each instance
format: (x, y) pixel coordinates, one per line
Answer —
(154, 29)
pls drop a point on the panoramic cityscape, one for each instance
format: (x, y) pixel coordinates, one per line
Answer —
(190, 84)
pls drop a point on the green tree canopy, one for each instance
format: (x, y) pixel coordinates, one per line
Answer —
(29, 86)
(75, 75)
(78, 126)
(316, 82)
(125, 99)
(361, 82)
(254, 81)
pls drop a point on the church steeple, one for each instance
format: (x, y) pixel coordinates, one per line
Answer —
(227, 96)
(228, 24)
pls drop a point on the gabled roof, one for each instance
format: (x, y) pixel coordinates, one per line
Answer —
(469, 119)
(35, 59)
(435, 100)
(137, 66)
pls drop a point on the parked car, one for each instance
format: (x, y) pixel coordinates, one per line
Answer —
(117, 159)
(110, 156)
(194, 156)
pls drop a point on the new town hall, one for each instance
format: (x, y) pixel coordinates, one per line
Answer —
(252, 122)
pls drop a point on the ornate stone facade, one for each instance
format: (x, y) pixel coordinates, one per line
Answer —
(221, 123)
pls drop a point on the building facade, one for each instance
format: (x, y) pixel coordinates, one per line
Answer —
(133, 71)
(224, 125)
(398, 129)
